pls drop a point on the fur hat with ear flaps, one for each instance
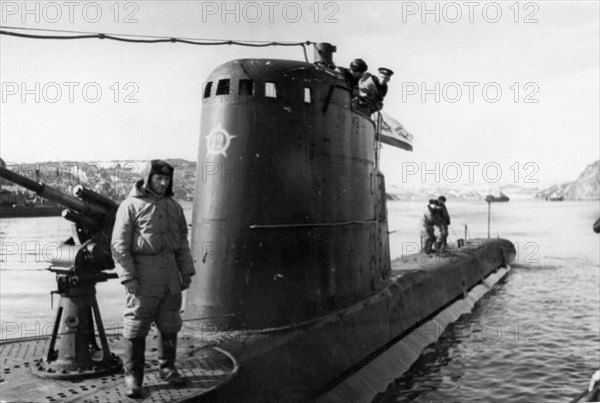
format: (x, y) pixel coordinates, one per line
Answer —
(159, 167)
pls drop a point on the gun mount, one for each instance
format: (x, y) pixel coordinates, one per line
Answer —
(79, 263)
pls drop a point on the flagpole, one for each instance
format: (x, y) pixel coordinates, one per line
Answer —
(489, 214)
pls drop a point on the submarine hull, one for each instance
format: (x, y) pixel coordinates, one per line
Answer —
(290, 234)
(318, 359)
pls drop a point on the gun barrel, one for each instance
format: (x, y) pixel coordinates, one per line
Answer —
(21, 180)
(93, 197)
(47, 192)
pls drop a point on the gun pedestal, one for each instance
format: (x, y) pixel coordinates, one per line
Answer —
(75, 354)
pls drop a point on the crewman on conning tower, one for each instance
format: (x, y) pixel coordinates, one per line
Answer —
(353, 75)
(372, 90)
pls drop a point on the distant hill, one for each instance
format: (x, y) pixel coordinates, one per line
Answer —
(461, 192)
(586, 187)
(116, 178)
(109, 178)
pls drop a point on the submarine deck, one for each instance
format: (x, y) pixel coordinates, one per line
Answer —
(206, 368)
(206, 358)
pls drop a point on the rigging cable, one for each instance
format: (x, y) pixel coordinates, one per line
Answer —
(146, 38)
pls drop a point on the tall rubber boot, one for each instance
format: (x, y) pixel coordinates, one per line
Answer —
(427, 247)
(133, 365)
(438, 247)
(167, 350)
(429, 243)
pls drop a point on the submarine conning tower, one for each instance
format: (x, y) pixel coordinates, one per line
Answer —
(289, 220)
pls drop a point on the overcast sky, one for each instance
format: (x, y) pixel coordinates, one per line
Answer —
(500, 85)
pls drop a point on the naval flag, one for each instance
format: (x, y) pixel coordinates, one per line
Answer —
(394, 134)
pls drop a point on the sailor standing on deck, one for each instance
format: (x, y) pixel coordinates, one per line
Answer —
(152, 253)
(443, 223)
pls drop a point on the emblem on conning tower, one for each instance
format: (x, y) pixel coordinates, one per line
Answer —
(218, 141)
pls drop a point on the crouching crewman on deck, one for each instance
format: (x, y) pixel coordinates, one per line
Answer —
(151, 251)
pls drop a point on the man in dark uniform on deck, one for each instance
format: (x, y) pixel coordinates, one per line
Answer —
(443, 223)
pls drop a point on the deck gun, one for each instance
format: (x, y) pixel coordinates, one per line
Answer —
(79, 263)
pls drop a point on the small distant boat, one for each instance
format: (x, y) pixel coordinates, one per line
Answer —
(555, 197)
(501, 197)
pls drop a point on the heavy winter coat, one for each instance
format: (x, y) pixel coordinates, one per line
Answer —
(445, 217)
(149, 242)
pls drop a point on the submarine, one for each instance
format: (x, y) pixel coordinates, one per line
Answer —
(296, 297)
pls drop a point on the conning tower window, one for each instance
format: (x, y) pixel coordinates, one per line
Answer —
(207, 89)
(246, 87)
(307, 95)
(270, 89)
(223, 87)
